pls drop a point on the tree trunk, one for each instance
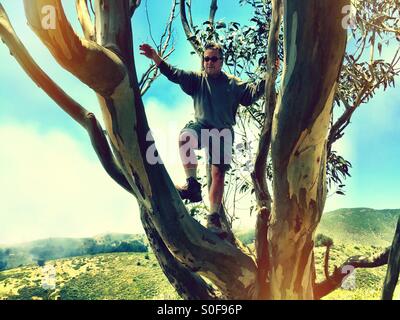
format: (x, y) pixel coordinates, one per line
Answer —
(314, 49)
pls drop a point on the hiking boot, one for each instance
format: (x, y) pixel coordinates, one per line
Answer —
(191, 190)
(214, 225)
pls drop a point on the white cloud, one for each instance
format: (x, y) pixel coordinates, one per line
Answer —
(49, 187)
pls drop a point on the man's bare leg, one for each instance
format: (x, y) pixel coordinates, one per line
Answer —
(216, 193)
(217, 188)
(187, 145)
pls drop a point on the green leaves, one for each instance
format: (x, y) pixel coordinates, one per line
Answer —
(337, 170)
(322, 240)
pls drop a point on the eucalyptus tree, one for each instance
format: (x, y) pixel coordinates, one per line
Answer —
(296, 126)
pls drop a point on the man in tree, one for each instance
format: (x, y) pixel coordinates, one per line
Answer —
(216, 97)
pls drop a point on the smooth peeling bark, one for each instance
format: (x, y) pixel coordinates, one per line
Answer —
(314, 48)
(190, 243)
(79, 56)
(262, 194)
(85, 20)
(113, 28)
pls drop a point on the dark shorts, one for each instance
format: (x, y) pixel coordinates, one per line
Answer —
(217, 142)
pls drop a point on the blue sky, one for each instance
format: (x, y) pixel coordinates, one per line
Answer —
(51, 183)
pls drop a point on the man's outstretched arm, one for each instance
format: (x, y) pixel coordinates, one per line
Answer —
(250, 92)
(187, 80)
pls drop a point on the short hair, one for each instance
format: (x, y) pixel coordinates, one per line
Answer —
(214, 46)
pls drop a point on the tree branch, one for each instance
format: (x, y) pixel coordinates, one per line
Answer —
(392, 273)
(335, 280)
(133, 5)
(85, 118)
(168, 29)
(85, 20)
(368, 86)
(114, 30)
(383, 28)
(147, 79)
(262, 194)
(336, 131)
(79, 56)
(189, 5)
(193, 39)
(149, 25)
(213, 10)
(326, 261)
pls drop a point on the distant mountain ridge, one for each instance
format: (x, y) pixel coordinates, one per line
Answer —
(97, 237)
(364, 226)
(39, 251)
(360, 225)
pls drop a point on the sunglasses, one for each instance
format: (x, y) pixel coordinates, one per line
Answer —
(213, 59)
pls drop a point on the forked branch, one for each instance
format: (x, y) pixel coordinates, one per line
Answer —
(85, 118)
(78, 56)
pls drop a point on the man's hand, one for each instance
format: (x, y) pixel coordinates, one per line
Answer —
(147, 50)
(150, 53)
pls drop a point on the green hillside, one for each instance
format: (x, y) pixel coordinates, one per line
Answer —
(360, 225)
(365, 284)
(137, 276)
(358, 231)
(114, 276)
(356, 226)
